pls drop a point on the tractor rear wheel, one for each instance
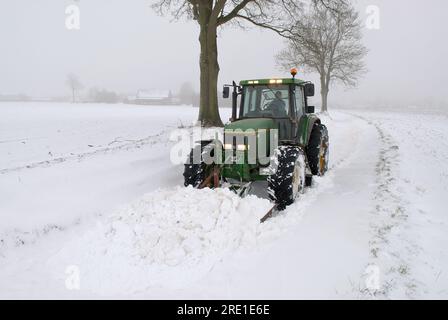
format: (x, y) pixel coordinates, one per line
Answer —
(318, 150)
(285, 185)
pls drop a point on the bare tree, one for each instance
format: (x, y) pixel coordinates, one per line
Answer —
(212, 14)
(74, 84)
(186, 93)
(327, 41)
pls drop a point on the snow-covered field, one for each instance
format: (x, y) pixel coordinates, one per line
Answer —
(92, 207)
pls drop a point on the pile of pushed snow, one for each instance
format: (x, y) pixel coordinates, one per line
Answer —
(167, 236)
(171, 238)
(172, 227)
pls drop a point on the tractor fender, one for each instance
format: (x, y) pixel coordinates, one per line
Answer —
(209, 143)
(306, 126)
(203, 143)
(312, 120)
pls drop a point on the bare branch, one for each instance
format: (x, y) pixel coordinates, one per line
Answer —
(327, 40)
(232, 14)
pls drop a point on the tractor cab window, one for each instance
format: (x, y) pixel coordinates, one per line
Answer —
(299, 102)
(271, 101)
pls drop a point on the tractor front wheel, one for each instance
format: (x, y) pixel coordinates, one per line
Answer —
(285, 185)
(196, 170)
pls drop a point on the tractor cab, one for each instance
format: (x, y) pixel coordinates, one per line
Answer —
(283, 101)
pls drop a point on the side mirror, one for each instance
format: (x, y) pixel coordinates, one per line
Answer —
(310, 109)
(309, 89)
(226, 92)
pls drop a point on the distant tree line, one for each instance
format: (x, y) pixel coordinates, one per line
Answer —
(103, 96)
(187, 95)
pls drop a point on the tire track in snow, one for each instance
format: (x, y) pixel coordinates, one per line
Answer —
(129, 145)
(389, 250)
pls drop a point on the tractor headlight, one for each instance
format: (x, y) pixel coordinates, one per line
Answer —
(242, 147)
(228, 146)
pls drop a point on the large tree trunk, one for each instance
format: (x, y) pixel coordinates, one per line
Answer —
(209, 69)
(324, 94)
(324, 89)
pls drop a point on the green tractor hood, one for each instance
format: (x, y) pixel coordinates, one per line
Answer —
(245, 171)
(255, 124)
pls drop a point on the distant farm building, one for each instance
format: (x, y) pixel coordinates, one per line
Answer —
(153, 97)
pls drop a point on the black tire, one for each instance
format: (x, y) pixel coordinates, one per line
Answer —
(195, 171)
(281, 184)
(317, 150)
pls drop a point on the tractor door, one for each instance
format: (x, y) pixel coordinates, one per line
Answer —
(298, 103)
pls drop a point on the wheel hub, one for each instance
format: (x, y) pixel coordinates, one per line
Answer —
(297, 180)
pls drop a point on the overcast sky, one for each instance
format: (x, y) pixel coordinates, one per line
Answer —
(123, 46)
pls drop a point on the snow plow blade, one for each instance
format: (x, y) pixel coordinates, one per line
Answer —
(270, 213)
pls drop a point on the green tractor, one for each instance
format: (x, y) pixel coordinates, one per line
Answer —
(273, 136)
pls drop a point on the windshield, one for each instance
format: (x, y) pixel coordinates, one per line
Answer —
(265, 101)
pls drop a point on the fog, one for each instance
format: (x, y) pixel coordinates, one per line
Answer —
(124, 46)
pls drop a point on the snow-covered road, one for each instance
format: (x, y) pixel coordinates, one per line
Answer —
(88, 192)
